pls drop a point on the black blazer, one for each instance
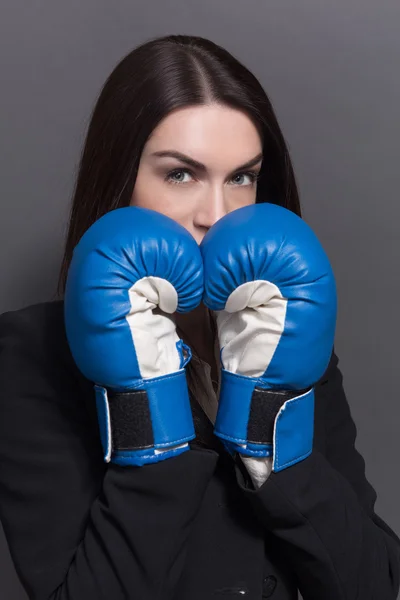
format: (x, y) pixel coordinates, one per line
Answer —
(188, 528)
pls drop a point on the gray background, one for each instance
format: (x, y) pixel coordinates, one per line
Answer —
(332, 72)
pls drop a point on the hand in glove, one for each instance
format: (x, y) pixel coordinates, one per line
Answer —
(273, 289)
(130, 271)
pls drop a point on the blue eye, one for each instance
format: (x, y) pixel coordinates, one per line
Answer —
(252, 174)
(169, 175)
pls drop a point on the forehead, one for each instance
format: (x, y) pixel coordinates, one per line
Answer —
(208, 132)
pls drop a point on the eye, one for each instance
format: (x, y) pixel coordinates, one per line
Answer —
(252, 175)
(171, 174)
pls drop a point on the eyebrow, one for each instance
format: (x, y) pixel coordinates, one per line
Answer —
(198, 165)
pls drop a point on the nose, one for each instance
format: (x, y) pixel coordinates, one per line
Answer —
(212, 207)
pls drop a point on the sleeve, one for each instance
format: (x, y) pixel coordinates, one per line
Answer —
(76, 528)
(320, 512)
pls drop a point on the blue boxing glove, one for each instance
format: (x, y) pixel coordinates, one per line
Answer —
(274, 293)
(130, 271)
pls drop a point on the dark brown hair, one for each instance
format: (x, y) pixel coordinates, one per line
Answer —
(162, 75)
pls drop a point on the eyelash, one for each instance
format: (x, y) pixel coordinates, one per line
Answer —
(253, 175)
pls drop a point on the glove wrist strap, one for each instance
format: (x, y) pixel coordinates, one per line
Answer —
(262, 422)
(136, 425)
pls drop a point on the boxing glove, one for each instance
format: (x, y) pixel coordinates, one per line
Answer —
(271, 285)
(131, 270)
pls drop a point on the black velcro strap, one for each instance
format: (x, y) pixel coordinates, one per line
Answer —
(131, 426)
(265, 405)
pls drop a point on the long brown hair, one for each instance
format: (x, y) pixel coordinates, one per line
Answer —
(162, 75)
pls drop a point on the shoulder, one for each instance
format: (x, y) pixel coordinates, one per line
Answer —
(33, 343)
(331, 369)
(36, 330)
(33, 319)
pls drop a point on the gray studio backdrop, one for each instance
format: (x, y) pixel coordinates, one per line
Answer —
(332, 71)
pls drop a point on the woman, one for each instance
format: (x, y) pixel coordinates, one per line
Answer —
(208, 521)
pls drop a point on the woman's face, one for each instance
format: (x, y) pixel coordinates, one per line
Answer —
(227, 149)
